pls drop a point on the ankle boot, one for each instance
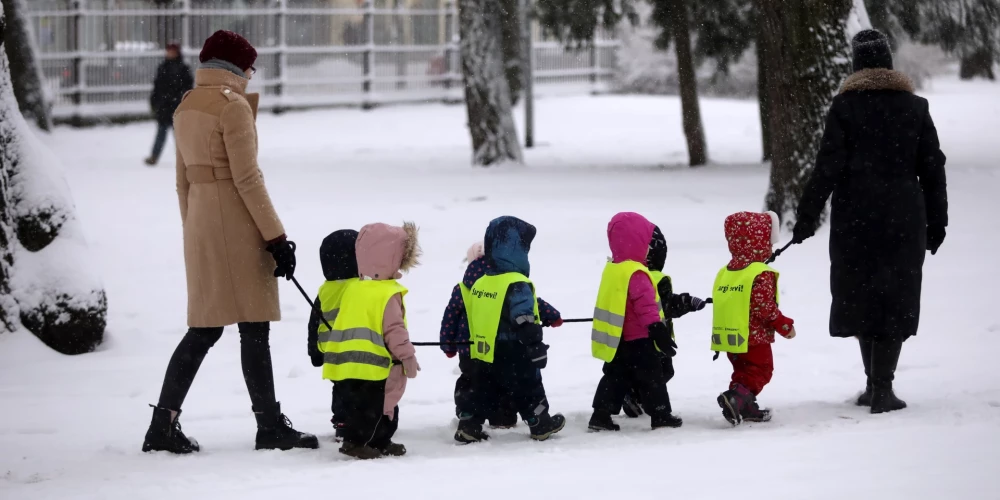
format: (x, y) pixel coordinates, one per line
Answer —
(165, 434)
(601, 421)
(275, 432)
(865, 399)
(733, 403)
(885, 356)
(544, 426)
(470, 430)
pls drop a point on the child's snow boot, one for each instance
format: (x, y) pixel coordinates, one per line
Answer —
(632, 407)
(753, 413)
(394, 450)
(601, 421)
(865, 399)
(338, 430)
(165, 434)
(732, 403)
(544, 426)
(360, 451)
(667, 420)
(885, 356)
(470, 431)
(275, 432)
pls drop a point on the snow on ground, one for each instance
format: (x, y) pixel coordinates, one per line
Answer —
(71, 427)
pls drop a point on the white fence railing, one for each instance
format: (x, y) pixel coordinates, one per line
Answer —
(99, 56)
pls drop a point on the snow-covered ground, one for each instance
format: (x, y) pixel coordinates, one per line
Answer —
(71, 427)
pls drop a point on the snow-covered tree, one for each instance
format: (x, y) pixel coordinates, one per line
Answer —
(807, 56)
(47, 283)
(510, 40)
(487, 96)
(969, 29)
(26, 73)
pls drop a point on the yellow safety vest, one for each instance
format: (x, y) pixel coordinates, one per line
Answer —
(355, 348)
(731, 307)
(609, 313)
(330, 295)
(483, 307)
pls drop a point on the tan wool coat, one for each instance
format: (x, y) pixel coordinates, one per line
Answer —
(225, 209)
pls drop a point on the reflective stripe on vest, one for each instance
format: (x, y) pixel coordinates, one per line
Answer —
(483, 307)
(330, 294)
(731, 307)
(355, 348)
(609, 313)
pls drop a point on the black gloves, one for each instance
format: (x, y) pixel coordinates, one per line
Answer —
(691, 303)
(538, 353)
(316, 357)
(935, 237)
(283, 252)
(804, 229)
(529, 333)
(660, 335)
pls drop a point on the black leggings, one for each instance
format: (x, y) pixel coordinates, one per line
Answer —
(255, 356)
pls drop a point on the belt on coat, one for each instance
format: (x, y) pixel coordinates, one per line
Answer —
(206, 174)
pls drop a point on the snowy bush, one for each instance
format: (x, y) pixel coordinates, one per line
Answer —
(47, 284)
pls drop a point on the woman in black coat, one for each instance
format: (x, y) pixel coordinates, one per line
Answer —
(173, 80)
(881, 160)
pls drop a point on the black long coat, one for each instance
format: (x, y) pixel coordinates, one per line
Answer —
(173, 79)
(881, 160)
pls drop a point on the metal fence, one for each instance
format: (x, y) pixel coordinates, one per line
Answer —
(99, 56)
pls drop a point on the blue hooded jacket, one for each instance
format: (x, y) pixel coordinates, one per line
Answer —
(507, 242)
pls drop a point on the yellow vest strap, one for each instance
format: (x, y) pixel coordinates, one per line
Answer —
(359, 357)
(360, 333)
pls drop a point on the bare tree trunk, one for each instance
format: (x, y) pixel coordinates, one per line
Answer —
(977, 64)
(513, 57)
(25, 73)
(805, 45)
(693, 131)
(8, 309)
(487, 97)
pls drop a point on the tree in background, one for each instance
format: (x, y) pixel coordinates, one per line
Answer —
(46, 284)
(969, 29)
(487, 96)
(806, 52)
(510, 39)
(26, 74)
(575, 22)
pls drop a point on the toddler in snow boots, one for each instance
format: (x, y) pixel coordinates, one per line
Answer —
(367, 353)
(745, 314)
(340, 269)
(630, 333)
(674, 306)
(505, 328)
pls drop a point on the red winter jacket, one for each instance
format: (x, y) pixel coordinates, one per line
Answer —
(750, 236)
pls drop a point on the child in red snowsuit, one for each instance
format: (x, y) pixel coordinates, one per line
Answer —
(751, 236)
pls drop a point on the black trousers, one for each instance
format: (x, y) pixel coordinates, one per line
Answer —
(337, 407)
(638, 365)
(162, 128)
(364, 423)
(255, 355)
(511, 377)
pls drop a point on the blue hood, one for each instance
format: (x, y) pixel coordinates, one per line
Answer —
(507, 242)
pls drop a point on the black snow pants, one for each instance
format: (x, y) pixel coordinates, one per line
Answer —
(364, 422)
(501, 412)
(511, 377)
(636, 365)
(255, 354)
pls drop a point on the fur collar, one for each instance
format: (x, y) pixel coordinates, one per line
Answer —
(411, 248)
(877, 79)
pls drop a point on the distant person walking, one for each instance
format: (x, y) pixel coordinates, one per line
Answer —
(173, 79)
(881, 161)
(229, 227)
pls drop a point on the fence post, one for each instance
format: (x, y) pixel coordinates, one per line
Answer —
(79, 69)
(402, 57)
(369, 53)
(186, 26)
(279, 70)
(593, 64)
(529, 73)
(449, 33)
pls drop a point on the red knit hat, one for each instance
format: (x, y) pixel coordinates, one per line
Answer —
(230, 47)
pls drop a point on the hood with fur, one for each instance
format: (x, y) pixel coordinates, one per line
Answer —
(751, 235)
(384, 250)
(877, 79)
(630, 236)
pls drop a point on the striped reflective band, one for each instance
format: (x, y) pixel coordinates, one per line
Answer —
(609, 317)
(352, 334)
(731, 339)
(716, 338)
(604, 338)
(331, 316)
(360, 357)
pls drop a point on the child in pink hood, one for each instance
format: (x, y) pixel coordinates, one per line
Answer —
(371, 405)
(635, 362)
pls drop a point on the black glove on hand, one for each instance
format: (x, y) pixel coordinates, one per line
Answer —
(529, 333)
(538, 354)
(316, 358)
(661, 337)
(935, 237)
(804, 229)
(692, 303)
(284, 258)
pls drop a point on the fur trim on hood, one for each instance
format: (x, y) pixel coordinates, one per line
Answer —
(877, 79)
(411, 248)
(476, 251)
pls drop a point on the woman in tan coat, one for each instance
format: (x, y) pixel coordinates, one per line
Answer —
(234, 245)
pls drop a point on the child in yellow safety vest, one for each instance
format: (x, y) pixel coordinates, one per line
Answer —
(368, 353)
(340, 269)
(746, 315)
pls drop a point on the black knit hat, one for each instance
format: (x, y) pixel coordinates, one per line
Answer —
(871, 50)
(337, 255)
